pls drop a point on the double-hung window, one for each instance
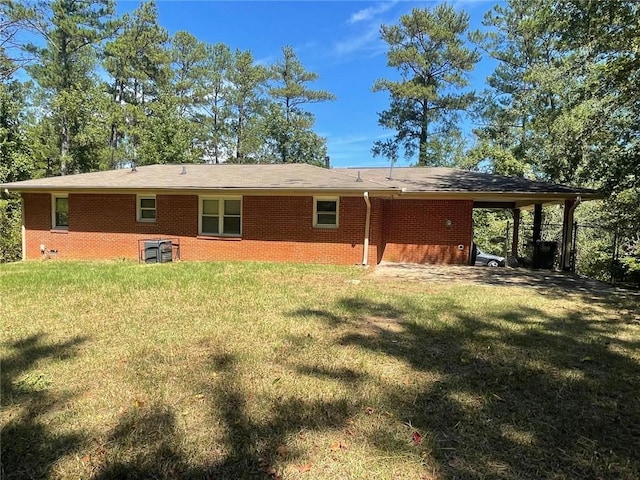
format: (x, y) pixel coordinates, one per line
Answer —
(221, 216)
(146, 208)
(325, 212)
(60, 208)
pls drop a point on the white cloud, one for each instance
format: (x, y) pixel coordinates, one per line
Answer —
(365, 40)
(367, 14)
(355, 149)
(367, 22)
(358, 139)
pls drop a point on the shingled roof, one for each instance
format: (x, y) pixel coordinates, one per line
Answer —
(298, 176)
(439, 179)
(303, 178)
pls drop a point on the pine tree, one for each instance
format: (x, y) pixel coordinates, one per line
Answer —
(428, 48)
(16, 18)
(188, 56)
(290, 126)
(217, 141)
(247, 104)
(16, 160)
(74, 31)
(138, 61)
(187, 93)
(527, 91)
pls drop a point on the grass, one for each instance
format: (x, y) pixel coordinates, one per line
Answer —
(240, 370)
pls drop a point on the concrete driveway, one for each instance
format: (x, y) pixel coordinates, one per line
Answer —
(544, 280)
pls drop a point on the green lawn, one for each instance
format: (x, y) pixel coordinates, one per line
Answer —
(231, 370)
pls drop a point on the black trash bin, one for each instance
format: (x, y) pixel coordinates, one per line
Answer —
(544, 254)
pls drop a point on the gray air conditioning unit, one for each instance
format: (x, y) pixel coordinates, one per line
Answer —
(158, 251)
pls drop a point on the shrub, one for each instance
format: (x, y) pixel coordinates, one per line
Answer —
(10, 231)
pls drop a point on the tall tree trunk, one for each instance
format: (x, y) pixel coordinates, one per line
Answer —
(113, 137)
(423, 150)
(216, 140)
(217, 137)
(65, 144)
(284, 145)
(65, 134)
(239, 154)
(134, 123)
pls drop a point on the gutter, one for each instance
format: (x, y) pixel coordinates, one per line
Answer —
(365, 250)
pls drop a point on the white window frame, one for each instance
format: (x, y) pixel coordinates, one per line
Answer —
(139, 209)
(54, 223)
(221, 216)
(315, 211)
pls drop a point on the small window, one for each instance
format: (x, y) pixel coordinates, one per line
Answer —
(325, 212)
(146, 208)
(221, 216)
(60, 211)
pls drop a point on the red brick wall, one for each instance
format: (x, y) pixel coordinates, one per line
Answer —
(274, 228)
(416, 231)
(37, 211)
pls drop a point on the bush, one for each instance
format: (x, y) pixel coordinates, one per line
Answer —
(594, 259)
(10, 231)
(631, 269)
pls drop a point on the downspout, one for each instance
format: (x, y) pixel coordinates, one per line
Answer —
(568, 234)
(23, 230)
(365, 252)
(575, 204)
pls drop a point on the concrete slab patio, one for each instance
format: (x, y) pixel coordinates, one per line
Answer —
(544, 280)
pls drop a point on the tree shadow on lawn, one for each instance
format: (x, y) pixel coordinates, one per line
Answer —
(147, 443)
(253, 443)
(550, 397)
(28, 448)
(143, 445)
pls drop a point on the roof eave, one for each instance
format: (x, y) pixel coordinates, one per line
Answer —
(202, 190)
(375, 190)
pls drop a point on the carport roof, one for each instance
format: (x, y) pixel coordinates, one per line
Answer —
(411, 182)
(440, 179)
(487, 190)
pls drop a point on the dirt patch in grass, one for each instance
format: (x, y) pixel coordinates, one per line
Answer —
(545, 281)
(380, 326)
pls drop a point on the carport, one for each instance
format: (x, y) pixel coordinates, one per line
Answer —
(516, 205)
(490, 192)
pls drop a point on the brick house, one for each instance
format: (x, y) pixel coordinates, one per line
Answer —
(293, 212)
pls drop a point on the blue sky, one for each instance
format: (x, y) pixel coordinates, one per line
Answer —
(338, 40)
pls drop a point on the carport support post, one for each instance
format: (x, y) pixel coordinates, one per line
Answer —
(537, 222)
(567, 234)
(516, 232)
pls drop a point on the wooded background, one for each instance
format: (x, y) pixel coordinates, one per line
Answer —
(92, 91)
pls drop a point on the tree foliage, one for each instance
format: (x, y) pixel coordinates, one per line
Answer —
(247, 104)
(290, 126)
(562, 104)
(17, 163)
(73, 32)
(138, 62)
(429, 51)
(215, 113)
